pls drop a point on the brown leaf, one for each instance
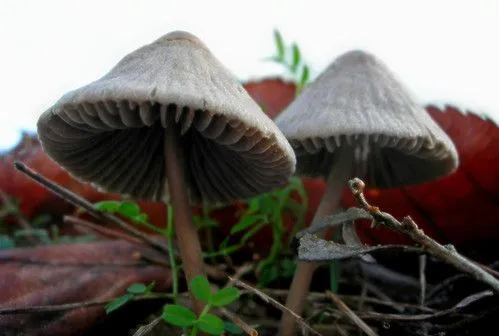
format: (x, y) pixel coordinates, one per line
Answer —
(71, 273)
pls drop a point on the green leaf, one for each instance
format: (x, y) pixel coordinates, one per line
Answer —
(6, 242)
(41, 220)
(201, 288)
(304, 76)
(232, 328)
(210, 324)
(129, 209)
(334, 276)
(118, 302)
(283, 195)
(268, 203)
(296, 58)
(279, 44)
(150, 287)
(108, 206)
(41, 234)
(254, 230)
(245, 222)
(137, 288)
(268, 274)
(225, 296)
(254, 205)
(141, 218)
(288, 268)
(208, 222)
(179, 316)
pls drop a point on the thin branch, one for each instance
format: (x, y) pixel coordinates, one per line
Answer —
(422, 279)
(319, 296)
(410, 229)
(274, 303)
(70, 306)
(239, 322)
(351, 314)
(78, 201)
(103, 231)
(147, 328)
(456, 309)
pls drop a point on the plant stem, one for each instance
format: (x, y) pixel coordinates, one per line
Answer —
(170, 235)
(150, 227)
(206, 309)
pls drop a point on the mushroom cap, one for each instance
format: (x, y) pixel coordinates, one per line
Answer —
(110, 132)
(358, 104)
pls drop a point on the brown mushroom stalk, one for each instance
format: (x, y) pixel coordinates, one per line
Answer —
(336, 182)
(188, 240)
(357, 118)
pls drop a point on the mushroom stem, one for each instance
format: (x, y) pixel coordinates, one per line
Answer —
(336, 182)
(187, 237)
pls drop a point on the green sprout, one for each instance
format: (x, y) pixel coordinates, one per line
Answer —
(133, 291)
(291, 59)
(206, 322)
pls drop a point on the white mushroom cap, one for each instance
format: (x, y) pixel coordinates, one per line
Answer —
(358, 103)
(110, 132)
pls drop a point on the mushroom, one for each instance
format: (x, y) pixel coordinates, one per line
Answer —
(357, 119)
(169, 122)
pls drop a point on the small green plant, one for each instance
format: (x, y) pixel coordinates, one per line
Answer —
(39, 230)
(290, 57)
(133, 291)
(132, 211)
(129, 210)
(206, 322)
(6, 242)
(269, 209)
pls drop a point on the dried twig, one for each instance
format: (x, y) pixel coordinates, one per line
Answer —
(70, 306)
(80, 202)
(456, 309)
(103, 231)
(147, 328)
(275, 303)
(351, 314)
(422, 279)
(372, 288)
(353, 299)
(409, 228)
(239, 322)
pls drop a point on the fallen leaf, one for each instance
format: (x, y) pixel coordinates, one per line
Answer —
(71, 273)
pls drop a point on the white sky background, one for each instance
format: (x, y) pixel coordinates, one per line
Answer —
(444, 51)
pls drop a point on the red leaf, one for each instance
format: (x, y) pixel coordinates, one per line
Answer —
(273, 96)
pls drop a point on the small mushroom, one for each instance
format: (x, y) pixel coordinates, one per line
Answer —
(169, 122)
(357, 119)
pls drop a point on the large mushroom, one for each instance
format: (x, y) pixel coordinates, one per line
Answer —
(169, 122)
(357, 119)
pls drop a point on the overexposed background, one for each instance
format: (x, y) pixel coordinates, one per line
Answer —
(445, 51)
